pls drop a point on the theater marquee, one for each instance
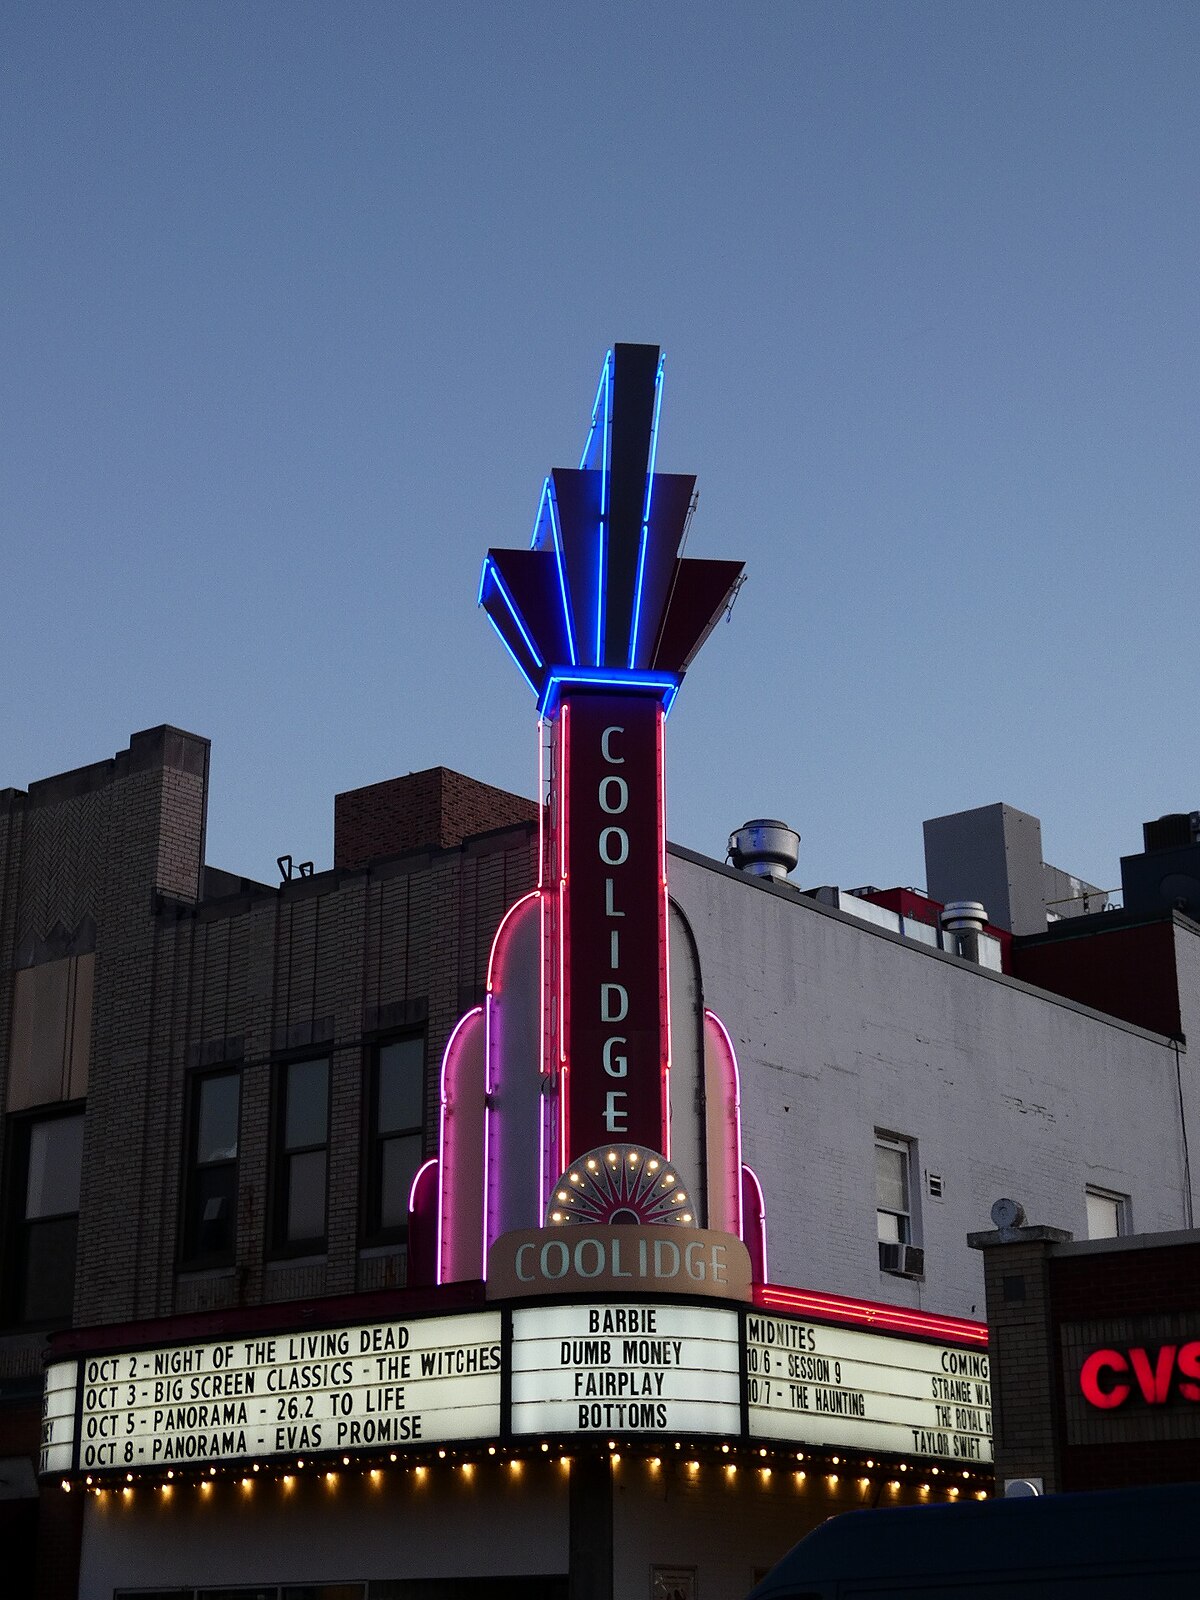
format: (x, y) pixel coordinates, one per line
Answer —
(579, 1368)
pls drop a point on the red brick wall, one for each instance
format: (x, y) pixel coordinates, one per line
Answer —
(431, 810)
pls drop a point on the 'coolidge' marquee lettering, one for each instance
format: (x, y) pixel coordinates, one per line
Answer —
(615, 921)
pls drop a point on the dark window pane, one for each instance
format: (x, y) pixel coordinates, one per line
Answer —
(400, 1160)
(55, 1163)
(306, 1197)
(257, 1593)
(211, 1212)
(401, 1085)
(49, 1286)
(217, 1118)
(152, 1594)
(322, 1591)
(306, 1119)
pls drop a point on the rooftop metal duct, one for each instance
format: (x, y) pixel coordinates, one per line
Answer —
(962, 923)
(765, 848)
(963, 916)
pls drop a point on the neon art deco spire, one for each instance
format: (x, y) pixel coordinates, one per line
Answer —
(602, 594)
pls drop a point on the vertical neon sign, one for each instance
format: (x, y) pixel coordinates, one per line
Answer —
(603, 616)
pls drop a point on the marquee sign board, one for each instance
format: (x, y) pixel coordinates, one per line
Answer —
(626, 1368)
(870, 1391)
(585, 1368)
(356, 1388)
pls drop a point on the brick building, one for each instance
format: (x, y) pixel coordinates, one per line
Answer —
(216, 1093)
(140, 986)
(1095, 1348)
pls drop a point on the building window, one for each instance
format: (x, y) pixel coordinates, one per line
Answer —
(302, 1156)
(894, 1221)
(210, 1202)
(47, 1172)
(395, 1134)
(1107, 1213)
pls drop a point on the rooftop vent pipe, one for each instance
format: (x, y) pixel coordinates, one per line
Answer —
(765, 848)
(962, 923)
(963, 916)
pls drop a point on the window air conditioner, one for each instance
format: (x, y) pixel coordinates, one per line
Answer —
(906, 1260)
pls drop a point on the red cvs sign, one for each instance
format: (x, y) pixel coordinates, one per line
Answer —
(614, 922)
(1108, 1378)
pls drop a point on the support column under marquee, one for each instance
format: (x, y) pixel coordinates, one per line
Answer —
(590, 1536)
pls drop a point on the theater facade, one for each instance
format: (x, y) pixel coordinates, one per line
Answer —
(523, 1205)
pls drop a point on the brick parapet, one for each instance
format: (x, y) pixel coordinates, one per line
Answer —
(1026, 1408)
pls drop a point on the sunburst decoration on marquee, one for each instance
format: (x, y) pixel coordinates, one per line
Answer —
(621, 1183)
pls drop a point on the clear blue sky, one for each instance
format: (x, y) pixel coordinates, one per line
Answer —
(300, 302)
